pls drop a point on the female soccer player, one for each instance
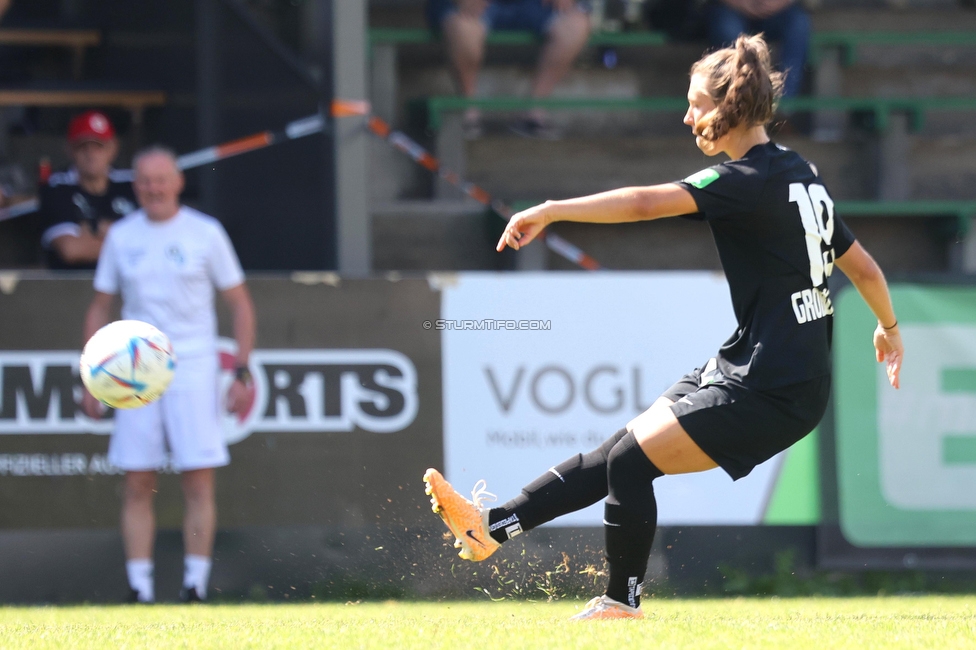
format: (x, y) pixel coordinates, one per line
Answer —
(779, 239)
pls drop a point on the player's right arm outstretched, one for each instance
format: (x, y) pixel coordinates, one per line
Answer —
(616, 206)
(866, 276)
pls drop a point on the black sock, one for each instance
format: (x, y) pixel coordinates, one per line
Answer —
(629, 518)
(572, 485)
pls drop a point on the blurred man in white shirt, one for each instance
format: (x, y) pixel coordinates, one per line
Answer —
(166, 260)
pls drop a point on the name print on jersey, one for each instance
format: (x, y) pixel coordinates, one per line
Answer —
(817, 216)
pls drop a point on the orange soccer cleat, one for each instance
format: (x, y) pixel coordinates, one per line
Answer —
(467, 520)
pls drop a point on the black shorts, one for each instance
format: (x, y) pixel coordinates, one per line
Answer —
(740, 427)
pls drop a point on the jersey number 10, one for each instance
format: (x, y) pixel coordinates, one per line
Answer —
(814, 203)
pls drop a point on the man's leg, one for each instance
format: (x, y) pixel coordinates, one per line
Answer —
(465, 38)
(790, 28)
(199, 528)
(724, 25)
(139, 531)
(566, 39)
(464, 33)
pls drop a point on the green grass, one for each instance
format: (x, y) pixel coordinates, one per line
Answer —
(796, 624)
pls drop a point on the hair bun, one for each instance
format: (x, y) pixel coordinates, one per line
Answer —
(743, 85)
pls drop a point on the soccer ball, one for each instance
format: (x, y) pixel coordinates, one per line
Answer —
(127, 364)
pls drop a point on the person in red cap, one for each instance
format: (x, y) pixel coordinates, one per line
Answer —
(77, 206)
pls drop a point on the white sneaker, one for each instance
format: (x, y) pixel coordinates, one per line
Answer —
(604, 607)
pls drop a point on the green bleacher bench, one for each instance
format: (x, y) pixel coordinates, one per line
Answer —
(383, 44)
(961, 210)
(419, 36)
(843, 43)
(849, 41)
(880, 107)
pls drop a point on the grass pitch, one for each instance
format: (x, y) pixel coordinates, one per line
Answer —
(796, 624)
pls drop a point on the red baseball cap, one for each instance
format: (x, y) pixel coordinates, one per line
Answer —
(93, 125)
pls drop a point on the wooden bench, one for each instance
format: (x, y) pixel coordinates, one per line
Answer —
(76, 40)
(135, 101)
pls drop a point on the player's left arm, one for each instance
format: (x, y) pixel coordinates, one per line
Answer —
(624, 205)
(865, 274)
(241, 306)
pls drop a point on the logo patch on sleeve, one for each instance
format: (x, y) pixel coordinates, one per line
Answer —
(703, 178)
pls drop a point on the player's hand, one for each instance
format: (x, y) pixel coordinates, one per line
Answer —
(523, 227)
(889, 350)
(472, 8)
(91, 406)
(240, 396)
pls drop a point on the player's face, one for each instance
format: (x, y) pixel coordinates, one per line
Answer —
(700, 103)
(158, 184)
(93, 157)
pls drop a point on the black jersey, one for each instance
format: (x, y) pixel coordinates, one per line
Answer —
(65, 208)
(777, 235)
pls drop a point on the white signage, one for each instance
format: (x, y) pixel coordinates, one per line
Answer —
(519, 401)
(294, 390)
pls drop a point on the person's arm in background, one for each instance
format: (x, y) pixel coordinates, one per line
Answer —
(241, 306)
(98, 316)
(74, 243)
(82, 248)
(866, 276)
(107, 285)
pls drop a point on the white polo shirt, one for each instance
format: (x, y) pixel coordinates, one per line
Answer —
(166, 272)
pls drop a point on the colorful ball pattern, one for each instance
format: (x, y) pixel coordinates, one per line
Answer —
(127, 364)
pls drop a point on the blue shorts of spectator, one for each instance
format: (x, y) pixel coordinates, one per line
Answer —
(502, 15)
(790, 28)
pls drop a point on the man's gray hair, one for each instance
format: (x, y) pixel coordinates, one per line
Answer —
(156, 150)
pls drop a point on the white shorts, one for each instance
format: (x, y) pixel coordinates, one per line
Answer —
(185, 421)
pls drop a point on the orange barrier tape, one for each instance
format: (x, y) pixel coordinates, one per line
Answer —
(379, 127)
(422, 157)
(249, 143)
(397, 139)
(350, 107)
